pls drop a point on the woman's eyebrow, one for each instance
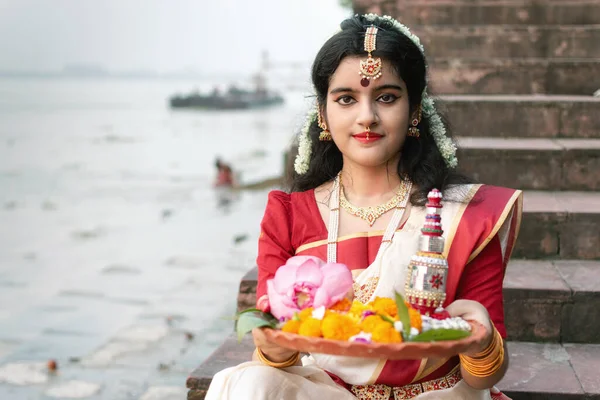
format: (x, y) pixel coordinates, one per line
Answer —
(342, 90)
(378, 88)
(389, 86)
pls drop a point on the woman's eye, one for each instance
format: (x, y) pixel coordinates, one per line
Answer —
(387, 98)
(345, 100)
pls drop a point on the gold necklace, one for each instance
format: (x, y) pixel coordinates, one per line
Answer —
(370, 213)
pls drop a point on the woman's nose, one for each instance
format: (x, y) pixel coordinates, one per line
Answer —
(367, 114)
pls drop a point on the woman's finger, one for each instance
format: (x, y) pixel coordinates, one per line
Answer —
(259, 337)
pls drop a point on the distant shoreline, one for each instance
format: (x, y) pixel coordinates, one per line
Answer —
(117, 76)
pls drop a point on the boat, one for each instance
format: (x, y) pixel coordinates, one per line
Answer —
(233, 99)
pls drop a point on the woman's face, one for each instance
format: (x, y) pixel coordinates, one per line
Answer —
(382, 106)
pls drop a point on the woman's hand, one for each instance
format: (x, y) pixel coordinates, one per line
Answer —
(272, 351)
(473, 310)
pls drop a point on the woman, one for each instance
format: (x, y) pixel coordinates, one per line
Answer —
(368, 156)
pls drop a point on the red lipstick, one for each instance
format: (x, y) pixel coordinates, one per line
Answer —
(367, 137)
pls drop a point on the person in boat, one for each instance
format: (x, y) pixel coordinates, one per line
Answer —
(370, 152)
(225, 176)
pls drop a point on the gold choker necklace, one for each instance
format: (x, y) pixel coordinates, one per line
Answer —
(370, 213)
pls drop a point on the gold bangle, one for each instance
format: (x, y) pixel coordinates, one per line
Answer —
(487, 362)
(284, 364)
(491, 347)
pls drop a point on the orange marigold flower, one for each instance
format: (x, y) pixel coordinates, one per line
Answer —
(305, 314)
(371, 322)
(310, 327)
(355, 319)
(291, 326)
(338, 327)
(358, 308)
(415, 319)
(385, 305)
(385, 333)
(342, 305)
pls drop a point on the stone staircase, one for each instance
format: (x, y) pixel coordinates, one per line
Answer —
(515, 78)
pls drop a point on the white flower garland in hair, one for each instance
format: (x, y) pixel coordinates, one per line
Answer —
(302, 160)
(444, 144)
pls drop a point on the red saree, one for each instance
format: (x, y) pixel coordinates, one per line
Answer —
(480, 236)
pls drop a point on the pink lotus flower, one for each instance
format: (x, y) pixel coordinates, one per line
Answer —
(306, 281)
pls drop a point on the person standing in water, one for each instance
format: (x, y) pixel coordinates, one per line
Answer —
(225, 176)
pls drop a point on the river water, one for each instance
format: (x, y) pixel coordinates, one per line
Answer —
(108, 216)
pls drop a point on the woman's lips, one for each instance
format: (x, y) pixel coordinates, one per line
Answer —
(371, 137)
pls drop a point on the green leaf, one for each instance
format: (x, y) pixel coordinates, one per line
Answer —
(403, 315)
(250, 319)
(440, 334)
(386, 318)
(247, 310)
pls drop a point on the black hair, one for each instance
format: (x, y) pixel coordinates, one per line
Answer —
(421, 159)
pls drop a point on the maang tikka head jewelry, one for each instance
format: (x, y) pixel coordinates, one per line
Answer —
(325, 135)
(370, 69)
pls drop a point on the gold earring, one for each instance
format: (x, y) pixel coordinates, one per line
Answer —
(325, 135)
(413, 130)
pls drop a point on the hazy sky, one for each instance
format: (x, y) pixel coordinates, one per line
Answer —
(163, 35)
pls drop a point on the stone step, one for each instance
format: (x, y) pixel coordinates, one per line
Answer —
(545, 301)
(514, 76)
(536, 164)
(560, 225)
(537, 370)
(486, 12)
(522, 115)
(552, 371)
(552, 301)
(510, 41)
